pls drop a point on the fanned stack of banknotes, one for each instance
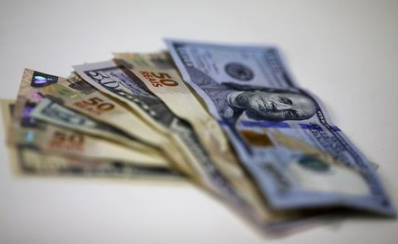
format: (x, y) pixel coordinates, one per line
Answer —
(230, 119)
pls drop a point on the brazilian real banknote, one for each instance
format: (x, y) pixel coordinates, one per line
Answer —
(54, 113)
(251, 93)
(78, 95)
(29, 133)
(33, 159)
(31, 97)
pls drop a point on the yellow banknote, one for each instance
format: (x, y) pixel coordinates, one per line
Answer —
(26, 129)
(80, 96)
(32, 159)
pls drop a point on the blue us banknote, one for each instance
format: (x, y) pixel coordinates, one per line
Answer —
(250, 91)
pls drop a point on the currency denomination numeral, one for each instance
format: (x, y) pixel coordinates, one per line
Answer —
(95, 105)
(97, 75)
(67, 141)
(161, 75)
(103, 79)
(159, 79)
(93, 101)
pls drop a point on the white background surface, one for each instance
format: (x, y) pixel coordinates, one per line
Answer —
(344, 51)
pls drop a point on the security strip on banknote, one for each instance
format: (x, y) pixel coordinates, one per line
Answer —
(249, 90)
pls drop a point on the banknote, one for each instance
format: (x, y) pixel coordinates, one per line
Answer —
(49, 85)
(80, 96)
(86, 99)
(182, 101)
(147, 67)
(184, 104)
(251, 93)
(28, 131)
(53, 112)
(151, 111)
(28, 159)
(117, 81)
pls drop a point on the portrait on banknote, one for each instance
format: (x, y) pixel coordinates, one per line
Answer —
(255, 103)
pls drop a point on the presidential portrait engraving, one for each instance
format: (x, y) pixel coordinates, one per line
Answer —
(256, 103)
